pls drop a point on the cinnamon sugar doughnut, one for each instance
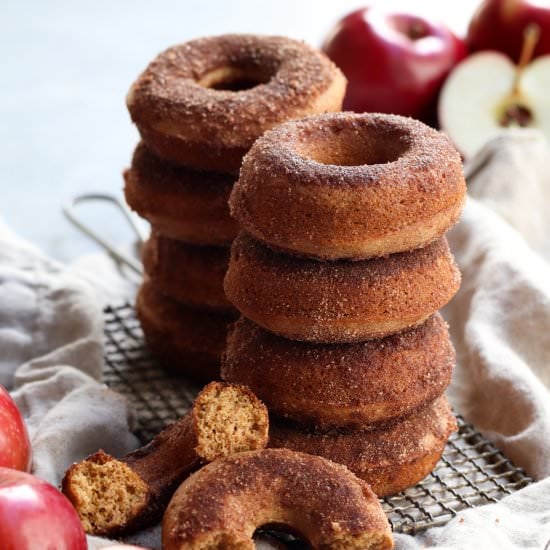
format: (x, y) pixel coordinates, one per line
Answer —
(182, 204)
(189, 274)
(187, 341)
(341, 385)
(221, 505)
(203, 103)
(390, 458)
(340, 301)
(349, 185)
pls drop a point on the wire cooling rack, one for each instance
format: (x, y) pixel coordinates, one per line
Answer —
(471, 472)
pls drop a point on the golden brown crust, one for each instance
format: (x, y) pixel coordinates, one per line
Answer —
(341, 385)
(349, 185)
(390, 458)
(340, 301)
(158, 468)
(185, 113)
(191, 275)
(184, 340)
(182, 204)
(221, 505)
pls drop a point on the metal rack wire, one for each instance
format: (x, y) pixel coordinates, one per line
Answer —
(471, 472)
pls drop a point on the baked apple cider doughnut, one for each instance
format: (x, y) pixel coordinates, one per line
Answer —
(389, 458)
(339, 301)
(203, 103)
(348, 185)
(221, 505)
(114, 496)
(345, 386)
(185, 340)
(189, 274)
(182, 204)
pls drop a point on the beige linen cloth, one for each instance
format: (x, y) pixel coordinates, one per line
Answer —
(50, 347)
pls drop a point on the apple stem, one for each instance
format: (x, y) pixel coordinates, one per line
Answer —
(530, 38)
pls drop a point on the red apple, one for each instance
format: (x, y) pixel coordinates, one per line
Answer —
(500, 25)
(33, 515)
(394, 62)
(15, 447)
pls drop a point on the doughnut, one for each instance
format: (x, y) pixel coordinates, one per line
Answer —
(339, 301)
(349, 386)
(203, 103)
(115, 496)
(185, 340)
(221, 505)
(189, 274)
(182, 204)
(349, 185)
(390, 458)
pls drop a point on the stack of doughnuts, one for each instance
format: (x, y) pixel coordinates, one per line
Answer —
(339, 272)
(198, 107)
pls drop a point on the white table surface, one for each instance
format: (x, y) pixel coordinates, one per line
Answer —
(65, 69)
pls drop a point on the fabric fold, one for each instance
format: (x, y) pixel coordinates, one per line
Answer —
(51, 334)
(499, 323)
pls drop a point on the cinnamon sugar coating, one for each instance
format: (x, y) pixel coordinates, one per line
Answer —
(347, 185)
(352, 386)
(203, 103)
(221, 505)
(188, 274)
(339, 301)
(181, 203)
(185, 340)
(390, 458)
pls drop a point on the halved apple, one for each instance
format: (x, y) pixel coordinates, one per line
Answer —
(486, 93)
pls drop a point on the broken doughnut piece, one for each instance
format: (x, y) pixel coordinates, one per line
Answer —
(116, 496)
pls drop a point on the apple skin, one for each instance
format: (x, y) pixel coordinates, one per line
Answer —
(500, 24)
(34, 514)
(15, 447)
(387, 70)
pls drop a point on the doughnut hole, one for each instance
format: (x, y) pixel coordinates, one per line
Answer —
(354, 145)
(229, 420)
(234, 79)
(279, 537)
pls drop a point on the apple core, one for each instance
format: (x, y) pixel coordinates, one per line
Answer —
(516, 114)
